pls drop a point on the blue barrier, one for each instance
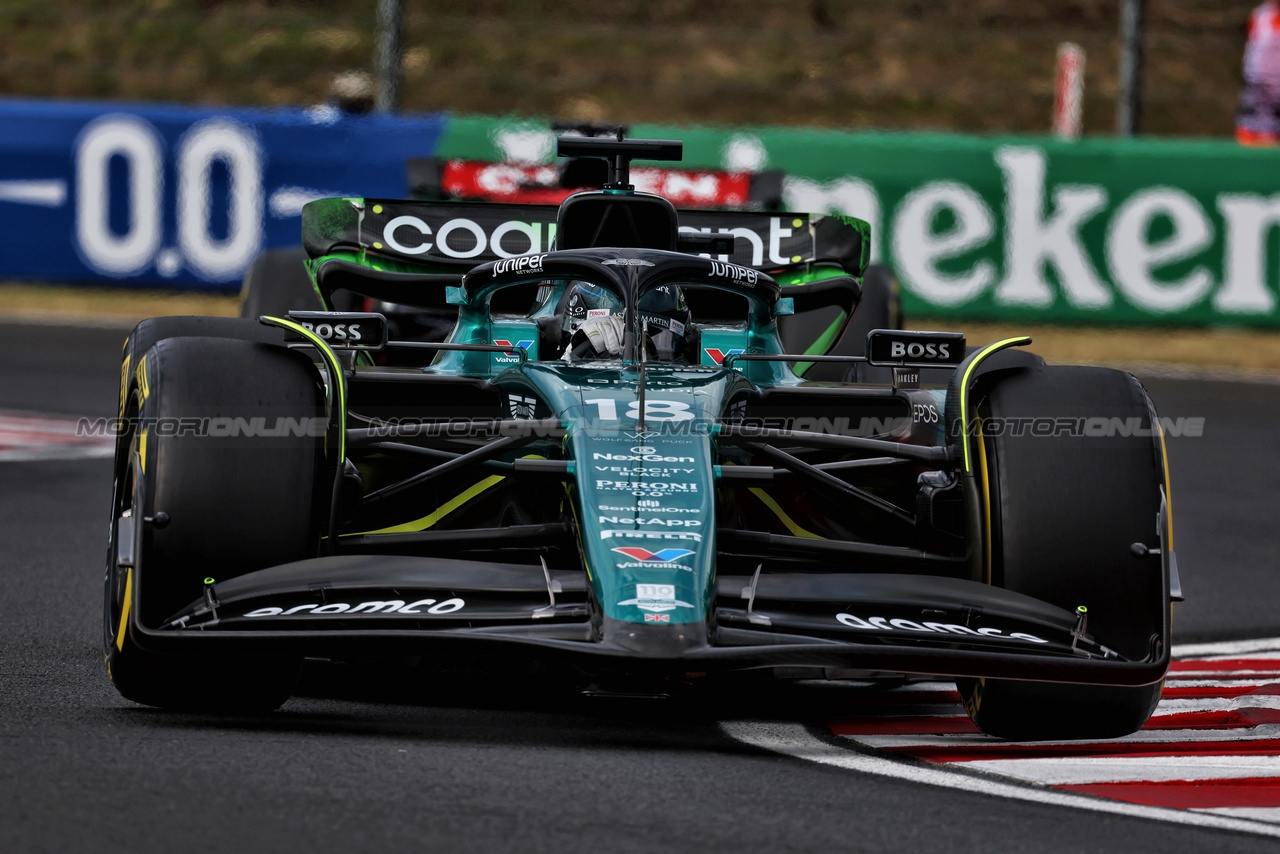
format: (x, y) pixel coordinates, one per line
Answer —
(183, 196)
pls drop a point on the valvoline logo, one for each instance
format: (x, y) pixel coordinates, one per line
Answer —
(717, 356)
(524, 345)
(512, 357)
(646, 556)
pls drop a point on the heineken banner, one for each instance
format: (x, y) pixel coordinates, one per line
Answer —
(1031, 229)
(1017, 228)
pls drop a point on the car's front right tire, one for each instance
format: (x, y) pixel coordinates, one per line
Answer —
(1064, 511)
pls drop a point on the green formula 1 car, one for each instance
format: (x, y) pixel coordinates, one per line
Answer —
(612, 465)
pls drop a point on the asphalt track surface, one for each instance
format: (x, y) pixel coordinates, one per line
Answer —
(397, 759)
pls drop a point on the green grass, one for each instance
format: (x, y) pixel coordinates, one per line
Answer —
(969, 65)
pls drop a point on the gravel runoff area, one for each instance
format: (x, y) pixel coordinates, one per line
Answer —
(1248, 353)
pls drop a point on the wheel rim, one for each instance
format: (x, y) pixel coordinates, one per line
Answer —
(116, 582)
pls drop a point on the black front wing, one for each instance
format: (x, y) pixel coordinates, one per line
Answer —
(356, 606)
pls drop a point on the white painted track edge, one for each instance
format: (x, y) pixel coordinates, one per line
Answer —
(1225, 648)
(795, 740)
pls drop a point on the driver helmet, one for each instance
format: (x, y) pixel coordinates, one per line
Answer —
(666, 317)
(662, 309)
(588, 301)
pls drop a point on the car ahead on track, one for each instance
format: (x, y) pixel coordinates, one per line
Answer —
(612, 467)
(278, 282)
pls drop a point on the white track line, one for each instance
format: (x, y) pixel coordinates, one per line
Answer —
(1226, 683)
(1271, 814)
(1228, 649)
(1082, 770)
(1216, 704)
(1155, 737)
(1027, 778)
(794, 740)
(1243, 675)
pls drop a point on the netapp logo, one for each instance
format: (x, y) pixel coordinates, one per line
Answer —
(670, 523)
(389, 606)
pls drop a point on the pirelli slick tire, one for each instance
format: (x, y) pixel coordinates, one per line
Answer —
(1064, 511)
(221, 481)
(143, 337)
(156, 329)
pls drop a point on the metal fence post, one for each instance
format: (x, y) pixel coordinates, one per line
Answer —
(390, 16)
(1129, 102)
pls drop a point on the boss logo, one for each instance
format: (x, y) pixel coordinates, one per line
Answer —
(916, 350)
(344, 330)
(923, 349)
(339, 331)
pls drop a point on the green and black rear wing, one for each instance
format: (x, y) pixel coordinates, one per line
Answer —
(456, 236)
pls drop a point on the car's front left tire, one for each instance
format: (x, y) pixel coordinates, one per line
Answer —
(211, 494)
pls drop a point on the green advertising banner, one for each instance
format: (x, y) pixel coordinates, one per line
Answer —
(1011, 228)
